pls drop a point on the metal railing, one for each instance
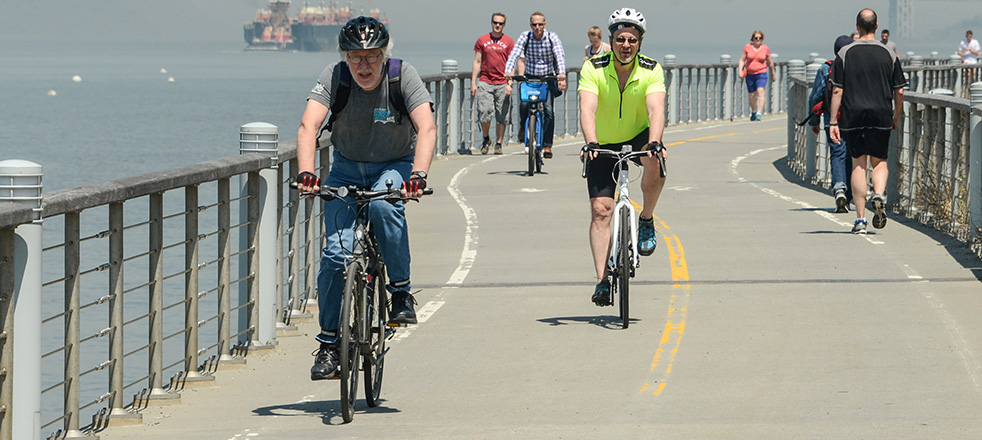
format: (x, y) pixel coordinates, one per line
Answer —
(154, 282)
(935, 157)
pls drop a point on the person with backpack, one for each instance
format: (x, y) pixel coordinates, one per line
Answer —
(819, 101)
(544, 55)
(382, 129)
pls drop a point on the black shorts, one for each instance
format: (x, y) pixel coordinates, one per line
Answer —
(867, 141)
(600, 180)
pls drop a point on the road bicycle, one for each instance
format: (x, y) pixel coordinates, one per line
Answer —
(534, 90)
(364, 326)
(624, 257)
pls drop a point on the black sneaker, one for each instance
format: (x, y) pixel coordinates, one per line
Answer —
(327, 359)
(841, 202)
(601, 295)
(402, 309)
(879, 211)
(486, 145)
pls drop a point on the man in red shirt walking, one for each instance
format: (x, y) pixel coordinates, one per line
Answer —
(493, 90)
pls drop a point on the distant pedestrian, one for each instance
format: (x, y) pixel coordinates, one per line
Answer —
(544, 55)
(754, 62)
(854, 36)
(492, 90)
(597, 45)
(885, 39)
(869, 88)
(968, 49)
(838, 156)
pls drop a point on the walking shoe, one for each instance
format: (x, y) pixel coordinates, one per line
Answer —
(879, 211)
(859, 227)
(601, 295)
(402, 309)
(547, 152)
(646, 236)
(497, 148)
(753, 116)
(485, 145)
(760, 117)
(327, 359)
(841, 202)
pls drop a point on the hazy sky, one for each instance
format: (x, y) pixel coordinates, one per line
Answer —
(726, 23)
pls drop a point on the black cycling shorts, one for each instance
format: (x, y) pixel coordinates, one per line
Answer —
(600, 177)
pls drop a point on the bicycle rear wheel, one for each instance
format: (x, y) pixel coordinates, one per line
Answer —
(378, 332)
(531, 136)
(625, 262)
(354, 287)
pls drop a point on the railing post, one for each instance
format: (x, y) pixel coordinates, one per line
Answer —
(191, 239)
(263, 138)
(917, 74)
(778, 92)
(449, 69)
(796, 68)
(20, 181)
(673, 90)
(975, 165)
(727, 99)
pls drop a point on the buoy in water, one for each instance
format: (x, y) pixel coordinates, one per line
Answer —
(163, 70)
(171, 79)
(77, 78)
(52, 93)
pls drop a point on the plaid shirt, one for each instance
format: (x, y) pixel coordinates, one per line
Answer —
(544, 56)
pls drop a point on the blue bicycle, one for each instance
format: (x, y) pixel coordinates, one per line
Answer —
(534, 91)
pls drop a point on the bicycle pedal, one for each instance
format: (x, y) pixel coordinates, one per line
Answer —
(396, 325)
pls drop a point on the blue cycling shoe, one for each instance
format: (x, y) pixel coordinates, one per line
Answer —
(601, 295)
(647, 240)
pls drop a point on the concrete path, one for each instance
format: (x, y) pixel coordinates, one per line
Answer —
(758, 317)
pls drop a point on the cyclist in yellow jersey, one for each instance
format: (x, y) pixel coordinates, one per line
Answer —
(622, 101)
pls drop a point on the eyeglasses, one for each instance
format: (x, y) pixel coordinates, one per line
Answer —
(499, 23)
(537, 24)
(631, 40)
(372, 59)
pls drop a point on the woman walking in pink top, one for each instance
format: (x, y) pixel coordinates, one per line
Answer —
(754, 61)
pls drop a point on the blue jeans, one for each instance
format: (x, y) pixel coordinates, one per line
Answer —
(548, 119)
(840, 163)
(388, 221)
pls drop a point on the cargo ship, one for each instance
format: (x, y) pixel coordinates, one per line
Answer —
(313, 29)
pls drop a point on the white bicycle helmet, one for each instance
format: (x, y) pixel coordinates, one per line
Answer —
(626, 17)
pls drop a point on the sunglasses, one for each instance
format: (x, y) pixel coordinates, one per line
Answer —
(356, 60)
(537, 24)
(631, 40)
(499, 23)
(757, 38)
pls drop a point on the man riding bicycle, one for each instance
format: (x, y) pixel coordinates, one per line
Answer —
(622, 101)
(373, 144)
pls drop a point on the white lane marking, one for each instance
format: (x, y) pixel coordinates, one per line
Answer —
(804, 205)
(469, 254)
(531, 190)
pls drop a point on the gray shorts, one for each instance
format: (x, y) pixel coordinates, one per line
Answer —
(492, 101)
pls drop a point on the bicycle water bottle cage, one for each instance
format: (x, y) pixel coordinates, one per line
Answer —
(533, 92)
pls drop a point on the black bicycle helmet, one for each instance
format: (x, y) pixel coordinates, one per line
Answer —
(363, 33)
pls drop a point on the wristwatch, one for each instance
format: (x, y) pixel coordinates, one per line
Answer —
(419, 173)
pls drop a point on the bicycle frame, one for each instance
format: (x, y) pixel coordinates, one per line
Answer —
(623, 200)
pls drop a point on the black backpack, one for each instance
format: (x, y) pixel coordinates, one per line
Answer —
(339, 96)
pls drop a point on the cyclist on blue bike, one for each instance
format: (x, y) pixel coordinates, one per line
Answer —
(373, 142)
(622, 101)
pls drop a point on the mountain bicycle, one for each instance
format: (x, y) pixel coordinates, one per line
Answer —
(364, 326)
(534, 90)
(624, 257)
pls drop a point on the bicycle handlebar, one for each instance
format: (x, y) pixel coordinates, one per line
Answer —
(541, 79)
(332, 192)
(622, 156)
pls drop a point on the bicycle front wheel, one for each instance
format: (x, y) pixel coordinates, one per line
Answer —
(625, 262)
(531, 136)
(354, 287)
(378, 332)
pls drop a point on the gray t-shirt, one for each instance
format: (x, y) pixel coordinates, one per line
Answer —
(366, 129)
